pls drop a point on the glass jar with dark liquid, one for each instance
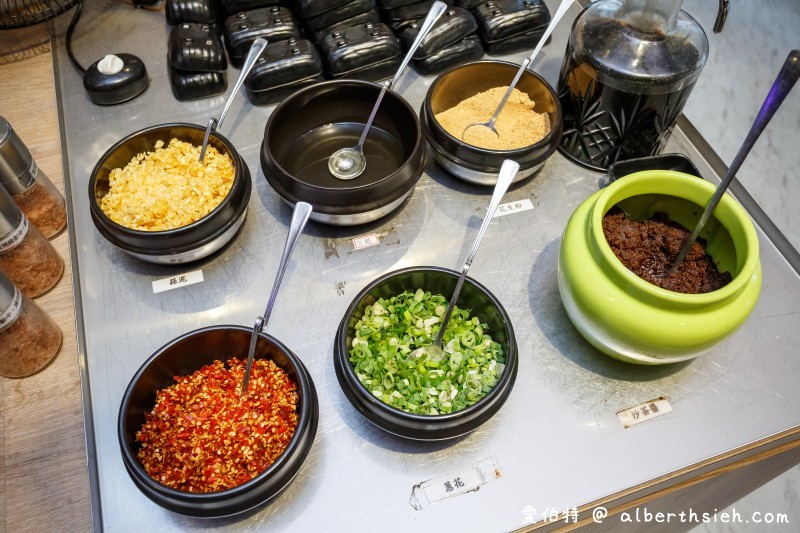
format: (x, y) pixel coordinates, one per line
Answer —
(627, 73)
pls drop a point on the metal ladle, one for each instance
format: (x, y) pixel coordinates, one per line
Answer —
(302, 211)
(349, 163)
(490, 124)
(783, 83)
(507, 174)
(214, 124)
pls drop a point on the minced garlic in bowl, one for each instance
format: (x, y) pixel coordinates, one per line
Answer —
(169, 187)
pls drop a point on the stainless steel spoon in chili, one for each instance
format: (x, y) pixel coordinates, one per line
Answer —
(302, 211)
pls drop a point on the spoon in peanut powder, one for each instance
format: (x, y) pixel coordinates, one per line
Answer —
(300, 216)
(490, 124)
(349, 163)
(786, 79)
(507, 174)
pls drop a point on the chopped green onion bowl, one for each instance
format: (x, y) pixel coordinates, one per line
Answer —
(391, 329)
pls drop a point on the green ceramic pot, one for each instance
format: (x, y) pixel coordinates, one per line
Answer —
(633, 320)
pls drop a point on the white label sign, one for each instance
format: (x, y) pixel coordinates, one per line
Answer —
(640, 413)
(513, 207)
(443, 487)
(365, 241)
(180, 280)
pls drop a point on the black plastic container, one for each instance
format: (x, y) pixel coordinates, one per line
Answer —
(311, 124)
(481, 165)
(184, 355)
(196, 48)
(180, 245)
(676, 162)
(473, 296)
(274, 24)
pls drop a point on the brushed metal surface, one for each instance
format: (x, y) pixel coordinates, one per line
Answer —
(551, 439)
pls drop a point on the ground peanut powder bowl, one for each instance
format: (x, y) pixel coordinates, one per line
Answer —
(183, 244)
(184, 355)
(481, 165)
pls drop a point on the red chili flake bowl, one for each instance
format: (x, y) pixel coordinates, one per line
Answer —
(182, 357)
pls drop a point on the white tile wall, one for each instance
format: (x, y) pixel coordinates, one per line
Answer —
(743, 62)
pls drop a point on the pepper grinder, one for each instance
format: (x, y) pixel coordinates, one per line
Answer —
(29, 338)
(26, 257)
(30, 188)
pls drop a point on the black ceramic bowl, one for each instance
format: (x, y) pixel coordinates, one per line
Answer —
(187, 243)
(181, 357)
(480, 165)
(473, 296)
(311, 124)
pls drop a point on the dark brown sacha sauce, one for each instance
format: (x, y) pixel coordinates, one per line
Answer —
(307, 160)
(649, 248)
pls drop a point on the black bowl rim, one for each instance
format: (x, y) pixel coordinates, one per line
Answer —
(418, 141)
(94, 206)
(555, 129)
(499, 393)
(168, 247)
(306, 432)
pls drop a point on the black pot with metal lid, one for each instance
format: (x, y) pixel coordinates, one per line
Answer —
(313, 123)
(186, 243)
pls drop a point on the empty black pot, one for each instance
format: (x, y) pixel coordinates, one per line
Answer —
(183, 356)
(311, 124)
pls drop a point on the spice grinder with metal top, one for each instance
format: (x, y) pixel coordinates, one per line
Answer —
(26, 257)
(30, 188)
(29, 337)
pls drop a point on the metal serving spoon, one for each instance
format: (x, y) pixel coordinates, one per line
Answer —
(786, 79)
(490, 124)
(507, 174)
(300, 216)
(349, 163)
(214, 124)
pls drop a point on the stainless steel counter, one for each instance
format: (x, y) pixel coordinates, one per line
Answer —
(556, 442)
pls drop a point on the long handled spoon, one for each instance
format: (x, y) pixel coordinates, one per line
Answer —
(786, 79)
(550, 27)
(507, 173)
(214, 124)
(349, 163)
(300, 216)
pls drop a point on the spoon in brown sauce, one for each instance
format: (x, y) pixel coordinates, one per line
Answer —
(786, 79)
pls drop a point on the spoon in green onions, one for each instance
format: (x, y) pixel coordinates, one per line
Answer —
(507, 174)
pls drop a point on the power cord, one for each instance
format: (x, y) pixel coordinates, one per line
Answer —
(70, 30)
(113, 79)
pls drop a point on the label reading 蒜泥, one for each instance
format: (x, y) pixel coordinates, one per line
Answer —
(181, 280)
